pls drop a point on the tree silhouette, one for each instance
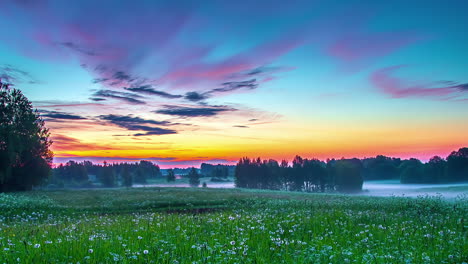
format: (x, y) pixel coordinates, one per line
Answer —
(194, 178)
(170, 177)
(457, 165)
(347, 175)
(25, 157)
(107, 175)
(411, 171)
(126, 177)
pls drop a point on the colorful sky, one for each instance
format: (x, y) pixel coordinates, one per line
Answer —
(185, 82)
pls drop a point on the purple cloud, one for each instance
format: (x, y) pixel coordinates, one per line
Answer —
(399, 88)
(144, 46)
(355, 49)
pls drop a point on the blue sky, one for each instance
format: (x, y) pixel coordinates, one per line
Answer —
(216, 80)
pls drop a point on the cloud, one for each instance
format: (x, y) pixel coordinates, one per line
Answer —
(399, 88)
(263, 71)
(232, 86)
(63, 103)
(146, 89)
(59, 115)
(140, 49)
(150, 131)
(123, 121)
(96, 99)
(356, 48)
(77, 48)
(183, 111)
(65, 143)
(136, 123)
(13, 75)
(195, 97)
(462, 87)
(127, 97)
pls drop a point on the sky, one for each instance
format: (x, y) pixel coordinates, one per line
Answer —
(184, 82)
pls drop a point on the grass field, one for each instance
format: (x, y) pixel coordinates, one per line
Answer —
(185, 225)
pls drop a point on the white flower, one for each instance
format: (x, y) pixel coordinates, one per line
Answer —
(37, 245)
(139, 237)
(233, 243)
(90, 250)
(6, 249)
(145, 252)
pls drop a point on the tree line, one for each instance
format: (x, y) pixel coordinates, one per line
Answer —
(86, 173)
(348, 175)
(308, 175)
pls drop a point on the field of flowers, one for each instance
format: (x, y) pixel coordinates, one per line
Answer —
(184, 225)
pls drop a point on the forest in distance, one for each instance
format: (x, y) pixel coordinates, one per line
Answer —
(308, 175)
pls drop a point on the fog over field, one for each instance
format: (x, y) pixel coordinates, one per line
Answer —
(371, 188)
(395, 188)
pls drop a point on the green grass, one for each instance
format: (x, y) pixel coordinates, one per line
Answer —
(185, 225)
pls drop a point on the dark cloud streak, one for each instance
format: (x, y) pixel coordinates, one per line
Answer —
(60, 115)
(127, 97)
(137, 123)
(146, 89)
(183, 111)
(195, 96)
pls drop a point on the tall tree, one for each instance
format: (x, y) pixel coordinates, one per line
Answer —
(25, 157)
(434, 170)
(107, 176)
(457, 166)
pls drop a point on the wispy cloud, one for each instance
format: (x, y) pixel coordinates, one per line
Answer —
(146, 89)
(123, 96)
(204, 111)
(64, 143)
(136, 123)
(355, 49)
(59, 115)
(77, 48)
(13, 75)
(139, 51)
(232, 86)
(400, 88)
(128, 119)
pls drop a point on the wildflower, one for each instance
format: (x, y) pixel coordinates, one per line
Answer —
(139, 237)
(37, 245)
(233, 243)
(90, 251)
(6, 249)
(145, 252)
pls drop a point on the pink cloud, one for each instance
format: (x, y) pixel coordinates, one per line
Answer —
(355, 49)
(130, 39)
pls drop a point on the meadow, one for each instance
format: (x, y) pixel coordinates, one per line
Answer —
(203, 225)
